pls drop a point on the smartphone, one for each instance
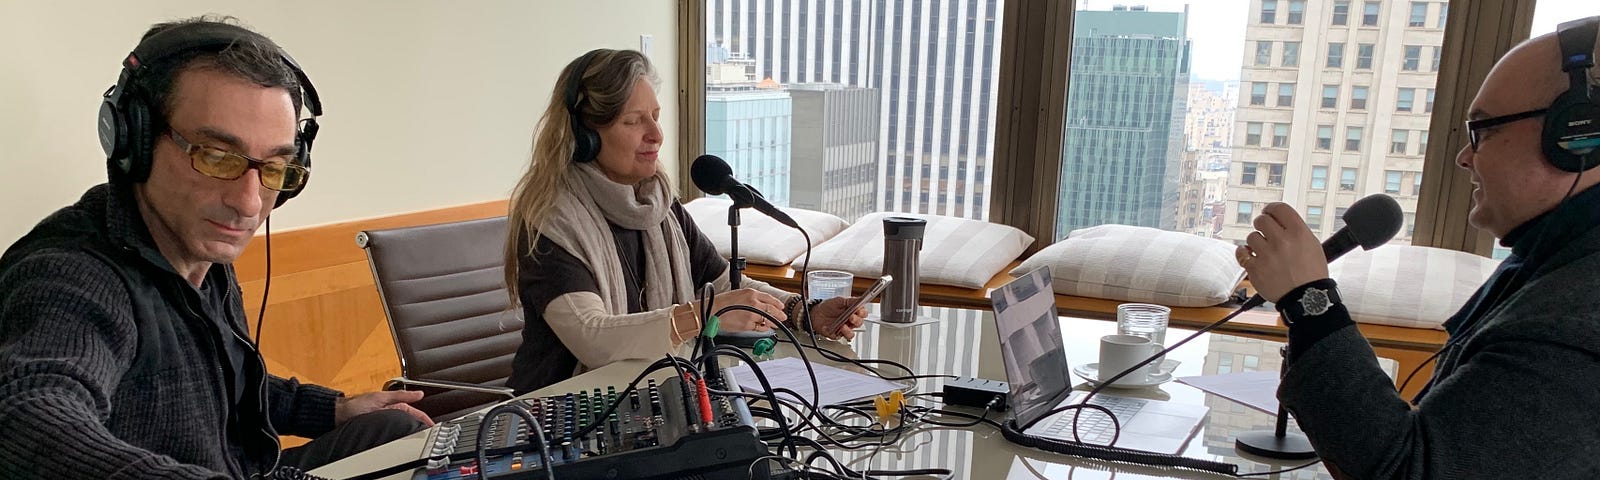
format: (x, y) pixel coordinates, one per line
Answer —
(866, 297)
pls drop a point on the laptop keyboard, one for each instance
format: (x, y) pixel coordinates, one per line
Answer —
(1093, 425)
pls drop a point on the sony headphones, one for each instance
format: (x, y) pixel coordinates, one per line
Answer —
(1572, 125)
(585, 141)
(126, 116)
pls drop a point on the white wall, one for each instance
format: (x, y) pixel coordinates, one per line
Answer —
(428, 103)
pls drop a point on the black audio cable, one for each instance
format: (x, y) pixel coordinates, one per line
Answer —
(266, 285)
(816, 390)
(535, 437)
(1014, 434)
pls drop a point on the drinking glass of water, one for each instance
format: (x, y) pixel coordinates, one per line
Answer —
(1144, 320)
(826, 284)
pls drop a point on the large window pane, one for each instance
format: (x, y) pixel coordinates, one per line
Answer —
(856, 107)
(1413, 58)
(1314, 217)
(1419, 14)
(1258, 158)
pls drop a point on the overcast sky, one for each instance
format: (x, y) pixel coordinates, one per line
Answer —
(1216, 27)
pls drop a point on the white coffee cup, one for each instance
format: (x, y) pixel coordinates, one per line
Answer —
(1118, 352)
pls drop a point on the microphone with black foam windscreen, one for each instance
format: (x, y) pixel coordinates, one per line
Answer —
(1369, 223)
(715, 177)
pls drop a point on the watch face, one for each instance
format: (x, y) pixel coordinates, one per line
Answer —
(1315, 301)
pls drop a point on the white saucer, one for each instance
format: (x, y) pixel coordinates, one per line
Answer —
(1091, 373)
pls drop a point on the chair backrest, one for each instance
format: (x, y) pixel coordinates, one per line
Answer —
(443, 289)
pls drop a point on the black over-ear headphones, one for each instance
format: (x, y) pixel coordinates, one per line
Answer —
(126, 132)
(585, 141)
(1572, 126)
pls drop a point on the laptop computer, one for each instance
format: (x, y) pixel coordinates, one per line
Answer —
(1036, 369)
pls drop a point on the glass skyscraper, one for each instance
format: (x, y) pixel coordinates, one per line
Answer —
(1122, 148)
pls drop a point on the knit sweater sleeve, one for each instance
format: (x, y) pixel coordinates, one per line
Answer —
(67, 335)
(301, 409)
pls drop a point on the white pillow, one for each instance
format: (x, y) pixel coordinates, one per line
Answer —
(1140, 264)
(1408, 286)
(955, 251)
(762, 240)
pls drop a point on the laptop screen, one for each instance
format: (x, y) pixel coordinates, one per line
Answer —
(1030, 344)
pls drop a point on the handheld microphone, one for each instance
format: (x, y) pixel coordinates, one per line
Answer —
(1369, 223)
(715, 177)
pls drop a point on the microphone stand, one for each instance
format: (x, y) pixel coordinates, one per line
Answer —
(736, 263)
(1278, 443)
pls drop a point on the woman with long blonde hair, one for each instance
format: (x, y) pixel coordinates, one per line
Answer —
(602, 258)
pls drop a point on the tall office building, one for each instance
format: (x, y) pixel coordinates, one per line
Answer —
(748, 125)
(934, 62)
(834, 161)
(1335, 102)
(1122, 152)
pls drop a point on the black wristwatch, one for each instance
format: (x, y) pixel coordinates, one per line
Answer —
(1309, 301)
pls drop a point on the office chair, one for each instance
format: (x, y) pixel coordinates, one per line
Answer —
(443, 291)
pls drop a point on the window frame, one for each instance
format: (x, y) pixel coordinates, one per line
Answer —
(1295, 16)
(1268, 16)
(1418, 20)
(1030, 102)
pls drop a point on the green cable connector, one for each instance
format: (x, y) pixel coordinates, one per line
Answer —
(713, 325)
(764, 347)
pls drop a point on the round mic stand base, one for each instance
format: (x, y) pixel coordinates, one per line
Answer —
(1266, 443)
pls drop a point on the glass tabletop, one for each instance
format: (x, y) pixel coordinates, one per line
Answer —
(962, 342)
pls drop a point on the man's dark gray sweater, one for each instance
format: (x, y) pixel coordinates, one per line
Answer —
(112, 367)
(1513, 396)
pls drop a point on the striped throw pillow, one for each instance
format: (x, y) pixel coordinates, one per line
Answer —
(1408, 286)
(1140, 264)
(955, 251)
